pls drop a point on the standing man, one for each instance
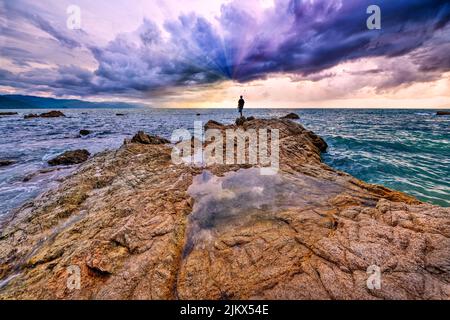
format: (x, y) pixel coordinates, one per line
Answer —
(241, 104)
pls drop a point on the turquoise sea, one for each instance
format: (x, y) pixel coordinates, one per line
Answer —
(407, 150)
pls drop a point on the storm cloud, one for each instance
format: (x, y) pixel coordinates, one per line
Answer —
(302, 38)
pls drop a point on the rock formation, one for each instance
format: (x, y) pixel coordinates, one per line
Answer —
(240, 121)
(84, 132)
(70, 157)
(143, 138)
(4, 163)
(51, 114)
(291, 116)
(137, 226)
(8, 113)
(443, 113)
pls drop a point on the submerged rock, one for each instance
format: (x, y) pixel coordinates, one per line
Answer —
(291, 116)
(143, 138)
(70, 157)
(51, 114)
(85, 132)
(4, 163)
(139, 226)
(443, 113)
(8, 113)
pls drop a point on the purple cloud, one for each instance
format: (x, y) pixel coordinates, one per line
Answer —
(298, 37)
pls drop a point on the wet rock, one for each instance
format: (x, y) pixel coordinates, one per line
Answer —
(317, 141)
(85, 132)
(120, 114)
(51, 114)
(4, 163)
(251, 118)
(291, 116)
(443, 113)
(141, 227)
(240, 121)
(8, 113)
(70, 157)
(143, 138)
(31, 115)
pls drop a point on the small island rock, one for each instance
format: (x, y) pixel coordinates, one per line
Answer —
(51, 114)
(143, 138)
(291, 116)
(70, 157)
(4, 163)
(85, 132)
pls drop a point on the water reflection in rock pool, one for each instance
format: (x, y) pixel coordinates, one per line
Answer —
(239, 197)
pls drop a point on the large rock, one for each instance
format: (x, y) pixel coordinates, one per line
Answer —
(138, 226)
(443, 113)
(291, 116)
(70, 157)
(51, 114)
(143, 138)
(240, 121)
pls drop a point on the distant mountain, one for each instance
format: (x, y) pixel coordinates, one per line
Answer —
(32, 102)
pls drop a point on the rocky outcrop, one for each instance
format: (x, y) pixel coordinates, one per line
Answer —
(143, 138)
(211, 124)
(240, 121)
(291, 116)
(137, 226)
(443, 113)
(51, 114)
(70, 157)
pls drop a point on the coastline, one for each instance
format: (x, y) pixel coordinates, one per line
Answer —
(125, 218)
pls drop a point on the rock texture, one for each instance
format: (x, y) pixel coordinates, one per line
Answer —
(70, 157)
(51, 114)
(140, 227)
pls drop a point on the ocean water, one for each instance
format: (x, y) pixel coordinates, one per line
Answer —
(407, 150)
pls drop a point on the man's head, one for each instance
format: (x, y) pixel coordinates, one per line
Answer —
(242, 97)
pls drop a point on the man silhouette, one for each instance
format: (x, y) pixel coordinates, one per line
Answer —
(241, 104)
